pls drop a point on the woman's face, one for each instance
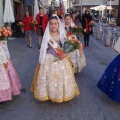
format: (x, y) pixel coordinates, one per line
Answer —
(87, 12)
(67, 20)
(27, 14)
(73, 15)
(55, 12)
(41, 11)
(54, 25)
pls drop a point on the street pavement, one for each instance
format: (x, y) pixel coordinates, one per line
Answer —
(91, 104)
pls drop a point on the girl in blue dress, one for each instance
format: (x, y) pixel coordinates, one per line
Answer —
(110, 80)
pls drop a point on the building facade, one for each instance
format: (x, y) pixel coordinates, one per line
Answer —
(87, 4)
(18, 9)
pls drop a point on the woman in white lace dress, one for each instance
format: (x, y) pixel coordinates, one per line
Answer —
(52, 80)
(77, 58)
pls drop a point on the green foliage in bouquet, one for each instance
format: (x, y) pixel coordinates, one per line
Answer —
(76, 45)
(77, 31)
(70, 46)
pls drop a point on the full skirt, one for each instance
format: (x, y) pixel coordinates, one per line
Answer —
(5, 88)
(110, 80)
(14, 79)
(9, 82)
(54, 81)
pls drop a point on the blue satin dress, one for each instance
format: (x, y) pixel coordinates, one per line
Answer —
(109, 83)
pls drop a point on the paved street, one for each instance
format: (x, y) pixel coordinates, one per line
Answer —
(91, 104)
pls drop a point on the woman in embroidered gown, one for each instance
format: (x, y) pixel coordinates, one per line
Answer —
(6, 89)
(77, 58)
(54, 81)
(109, 83)
(15, 84)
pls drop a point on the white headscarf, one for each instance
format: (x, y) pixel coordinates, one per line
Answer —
(47, 38)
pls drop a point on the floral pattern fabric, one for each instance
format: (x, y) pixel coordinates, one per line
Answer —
(54, 81)
(9, 80)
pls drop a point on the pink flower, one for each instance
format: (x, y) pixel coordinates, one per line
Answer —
(5, 31)
(9, 32)
(5, 34)
(8, 28)
(1, 29)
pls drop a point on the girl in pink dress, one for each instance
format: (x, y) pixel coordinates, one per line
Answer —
(11, 76)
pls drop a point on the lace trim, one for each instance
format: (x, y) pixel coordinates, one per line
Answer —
(34, 85)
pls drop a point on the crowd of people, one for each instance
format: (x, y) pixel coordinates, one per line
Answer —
(42, 18)
(54, 76)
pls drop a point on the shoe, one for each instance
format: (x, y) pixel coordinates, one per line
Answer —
(30, 46)
(39, 47)
(87, 45)
(27, 45)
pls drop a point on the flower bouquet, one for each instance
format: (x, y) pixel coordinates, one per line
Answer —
(77, 30)
(5, 32)
(33, 24)
(72, 44)
(91, 23)
(59, 52)
(21, 25)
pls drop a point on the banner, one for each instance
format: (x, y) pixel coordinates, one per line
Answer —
(62, 10)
